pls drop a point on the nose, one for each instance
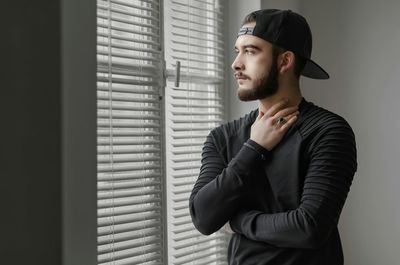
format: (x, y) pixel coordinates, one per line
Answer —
(237, 64)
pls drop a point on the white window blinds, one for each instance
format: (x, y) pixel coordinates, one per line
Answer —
(129, 82)
(193, 40)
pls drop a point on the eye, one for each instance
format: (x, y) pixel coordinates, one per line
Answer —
(250, 51)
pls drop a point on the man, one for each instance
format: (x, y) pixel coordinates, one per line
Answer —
(279, 175)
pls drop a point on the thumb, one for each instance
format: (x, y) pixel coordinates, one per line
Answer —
(260, 114)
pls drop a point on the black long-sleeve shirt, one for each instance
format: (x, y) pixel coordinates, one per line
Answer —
(283, 204)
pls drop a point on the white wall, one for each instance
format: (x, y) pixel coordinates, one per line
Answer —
(79, 132)
(293, 5)
(358, 43)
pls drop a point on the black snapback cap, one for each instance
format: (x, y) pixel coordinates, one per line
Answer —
(287, 30)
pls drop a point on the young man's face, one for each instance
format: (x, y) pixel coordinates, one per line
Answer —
(254, 68)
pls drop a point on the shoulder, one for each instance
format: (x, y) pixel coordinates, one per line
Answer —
(317, 120)
(329, 139)
(326, 134)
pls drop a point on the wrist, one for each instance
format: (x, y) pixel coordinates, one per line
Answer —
(261, 143)
(257, 148)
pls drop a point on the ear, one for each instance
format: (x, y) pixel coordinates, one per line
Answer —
(286, 62)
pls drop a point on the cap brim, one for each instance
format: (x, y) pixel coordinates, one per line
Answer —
(313, 70)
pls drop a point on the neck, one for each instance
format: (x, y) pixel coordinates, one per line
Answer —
(291, 92)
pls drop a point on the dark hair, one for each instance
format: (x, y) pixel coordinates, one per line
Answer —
(299, 61)
(249, 18)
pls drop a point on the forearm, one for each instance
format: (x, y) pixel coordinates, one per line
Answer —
(293, 229)
(217, 194)
(326, 185)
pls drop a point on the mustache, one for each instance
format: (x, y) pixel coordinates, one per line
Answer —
(241, 75)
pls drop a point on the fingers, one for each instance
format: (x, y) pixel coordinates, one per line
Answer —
(270, 127)
(289, 122)
(260, 115)
(286, 112)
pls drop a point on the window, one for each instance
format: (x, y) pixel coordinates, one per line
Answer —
(130, 176)
(143, 181)
(194, 105)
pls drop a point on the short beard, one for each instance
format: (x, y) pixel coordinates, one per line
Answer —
(267, 87)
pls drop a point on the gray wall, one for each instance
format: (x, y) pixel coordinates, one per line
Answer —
(30, 133)
(48, 132)
(79, 132)
(358, 43)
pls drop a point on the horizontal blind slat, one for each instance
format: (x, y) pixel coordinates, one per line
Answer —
(152, 2)
(123, 124)
(130, 235)
(134, 106)
(196, 32)
(186, 144)
(192, 45)
(118, 167)
(128, 150)
(177, 20)
(129, 209)
(199, 256)
(131, 253)
(124, 133)
(214, 259)
(126, 55)
(199, 249)
(112, 194)
(198, 241)
(112, 186)
(104, 34)
(129, 82)
(119, 11)
(127, 21)
(125, 219)
(129, 116)
(121, 228)
(193, 39)
(197, 105)
(125, 245)
(211, 6)
(127, 45)
(198, 15)
(128, 201)
(188, 236)
(145, 259)
(201, 61)
(193, 128)
(130, 4)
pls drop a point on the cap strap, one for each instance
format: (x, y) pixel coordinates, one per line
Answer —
(245, 31)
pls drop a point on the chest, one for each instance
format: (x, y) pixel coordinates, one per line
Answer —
(276, 183)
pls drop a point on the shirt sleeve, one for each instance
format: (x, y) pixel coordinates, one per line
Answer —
(327, 182)
(217, 193)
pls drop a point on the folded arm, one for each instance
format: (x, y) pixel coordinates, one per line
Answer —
(327, 182)
(217, 193)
